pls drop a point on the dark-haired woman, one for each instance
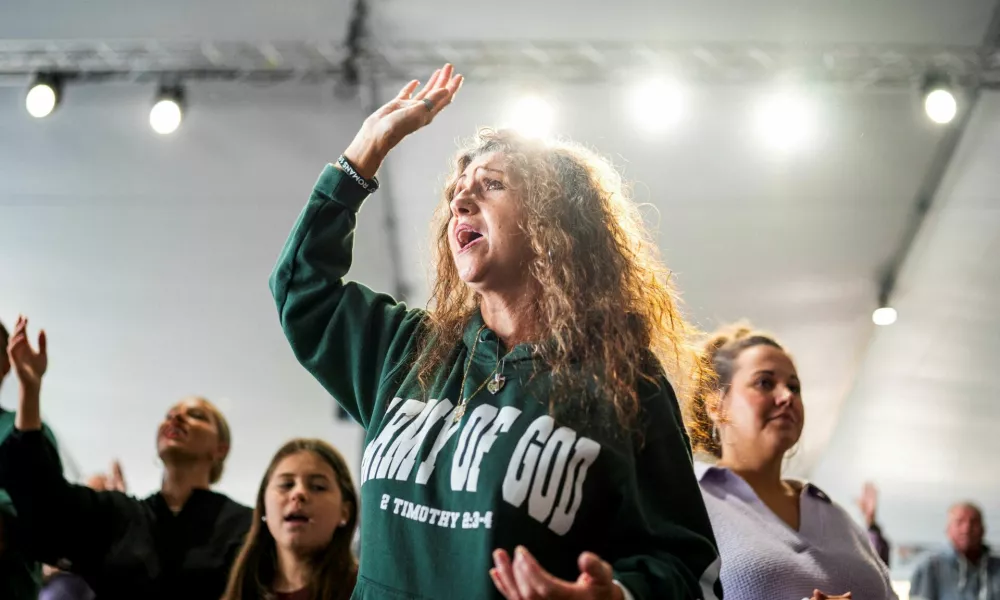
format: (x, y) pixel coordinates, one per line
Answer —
(522, 438)
(299, 546)
(177, 543)
(778, 537)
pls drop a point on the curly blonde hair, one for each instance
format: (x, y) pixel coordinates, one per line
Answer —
(605, 300)
(719, 352)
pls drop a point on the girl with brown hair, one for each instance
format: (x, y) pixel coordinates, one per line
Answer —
(299, 545)
(177, 543)
(523, 439)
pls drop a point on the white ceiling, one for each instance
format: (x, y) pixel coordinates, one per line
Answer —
(923, 417)
(810, 21)
(146, 258)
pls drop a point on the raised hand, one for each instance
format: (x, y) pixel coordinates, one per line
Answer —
(113, 481)
(868, 502)
(525, 579)
(117, 480)
(407, 112)
(29, 364)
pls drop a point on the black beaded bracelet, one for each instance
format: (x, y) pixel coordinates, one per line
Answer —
(369, 185)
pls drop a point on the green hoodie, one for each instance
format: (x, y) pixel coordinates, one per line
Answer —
(438, 496)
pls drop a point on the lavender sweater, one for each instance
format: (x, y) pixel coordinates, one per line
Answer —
(765, 559)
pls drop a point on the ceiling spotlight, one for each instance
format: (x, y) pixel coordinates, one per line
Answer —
(168, 110)
(532, 116)
(940, 105)
(43, 96)
(786, 120)
(656, 104)
(885, 315)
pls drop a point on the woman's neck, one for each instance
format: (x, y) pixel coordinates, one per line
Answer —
(509, 315)
(293, 572)
(762, 473)
(181, 479)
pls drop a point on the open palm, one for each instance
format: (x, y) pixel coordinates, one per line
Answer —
(410, 110)
(29, 364)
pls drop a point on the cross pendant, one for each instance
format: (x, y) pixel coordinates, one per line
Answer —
(459, 411)
(496, 384)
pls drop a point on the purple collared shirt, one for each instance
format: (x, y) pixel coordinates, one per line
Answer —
(765, 559)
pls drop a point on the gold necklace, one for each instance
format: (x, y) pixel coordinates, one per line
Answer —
(494, 379)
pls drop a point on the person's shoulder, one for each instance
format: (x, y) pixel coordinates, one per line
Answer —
(931, 560)
(830, 506)
(7, 418)
(231, 510)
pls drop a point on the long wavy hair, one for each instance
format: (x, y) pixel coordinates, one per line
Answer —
(334, 570)
(605, 299)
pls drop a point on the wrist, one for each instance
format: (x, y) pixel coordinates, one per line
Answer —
(30, 390)
(366, 156)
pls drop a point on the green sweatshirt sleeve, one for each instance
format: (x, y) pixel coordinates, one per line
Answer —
(346, 335)
(663, 524)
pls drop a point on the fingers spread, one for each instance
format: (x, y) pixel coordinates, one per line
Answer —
(505, 573)
(533, 581)
(431, 84)
(499, 584)
(407, 90)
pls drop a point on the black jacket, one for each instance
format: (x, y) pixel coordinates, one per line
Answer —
(124, 547)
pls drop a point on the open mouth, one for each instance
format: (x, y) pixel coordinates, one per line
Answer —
(174, 433)
(297, 517)
(466, 237)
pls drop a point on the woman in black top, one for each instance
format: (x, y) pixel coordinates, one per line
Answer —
(178, 543)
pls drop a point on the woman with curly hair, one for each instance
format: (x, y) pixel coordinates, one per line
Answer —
(778, 537)
(522, 439)
(299, 545)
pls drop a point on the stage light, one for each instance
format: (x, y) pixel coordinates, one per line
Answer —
(168, 110)
(940, 105)
(885, 315)
(532, 116)
(656, 104)
(43, 96)
(786, 120)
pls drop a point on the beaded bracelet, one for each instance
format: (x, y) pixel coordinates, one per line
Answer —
(369, 185)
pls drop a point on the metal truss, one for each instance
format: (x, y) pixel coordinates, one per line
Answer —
(853, 65)
(864, 66)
